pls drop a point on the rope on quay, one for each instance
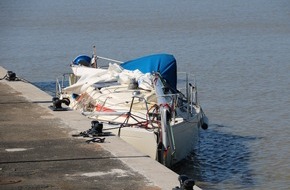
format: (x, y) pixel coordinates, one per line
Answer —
(11, 76)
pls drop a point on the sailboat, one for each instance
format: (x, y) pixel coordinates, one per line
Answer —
(143, 101)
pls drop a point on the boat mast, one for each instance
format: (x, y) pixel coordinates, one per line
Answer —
(94, 58)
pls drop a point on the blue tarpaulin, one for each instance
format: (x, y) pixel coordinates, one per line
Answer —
(82, 60)
(165, 64)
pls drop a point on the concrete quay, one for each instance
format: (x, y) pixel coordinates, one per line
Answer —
(37, 150)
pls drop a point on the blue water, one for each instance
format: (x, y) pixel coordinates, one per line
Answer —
(238, 50)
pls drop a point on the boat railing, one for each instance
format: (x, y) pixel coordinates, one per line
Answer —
(189, 90)
(72, 78)
(129, 115)
(60, 83)
(103, 62)
(108, 59)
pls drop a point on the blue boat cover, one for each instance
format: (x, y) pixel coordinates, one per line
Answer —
(82, 60)
(165, 64)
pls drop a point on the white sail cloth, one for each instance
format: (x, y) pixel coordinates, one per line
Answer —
(114, 73)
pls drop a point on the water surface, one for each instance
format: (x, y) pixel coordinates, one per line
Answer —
(238, 50)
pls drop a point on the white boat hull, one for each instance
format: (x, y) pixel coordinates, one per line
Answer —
(186, 137)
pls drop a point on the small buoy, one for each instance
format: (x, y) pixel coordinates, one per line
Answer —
(204, 126)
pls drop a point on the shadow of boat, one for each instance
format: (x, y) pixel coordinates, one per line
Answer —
(220, 161)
